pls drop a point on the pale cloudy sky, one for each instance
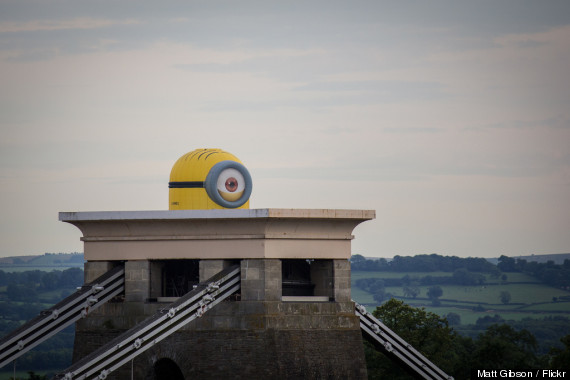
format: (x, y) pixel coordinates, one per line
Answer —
(450, 119)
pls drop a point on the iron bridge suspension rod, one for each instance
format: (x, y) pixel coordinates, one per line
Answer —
(396, 348)
(50, 321)
(106, 359)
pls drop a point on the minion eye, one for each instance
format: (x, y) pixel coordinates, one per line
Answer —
(228, 184)
(231, 184)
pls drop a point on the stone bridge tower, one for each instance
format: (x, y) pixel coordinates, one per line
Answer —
(292, 319)
(293, 316)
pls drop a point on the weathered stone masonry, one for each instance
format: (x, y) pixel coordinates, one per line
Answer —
(261, 333)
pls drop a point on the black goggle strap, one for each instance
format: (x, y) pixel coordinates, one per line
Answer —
(185, 185)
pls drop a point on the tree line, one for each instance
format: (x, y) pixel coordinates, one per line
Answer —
(499, 346)
(25, 286)
(422, 263)
(546, 330)
(21, 302)
(548, 273)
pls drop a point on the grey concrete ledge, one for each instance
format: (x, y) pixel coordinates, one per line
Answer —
(217, 234)
(217, 214)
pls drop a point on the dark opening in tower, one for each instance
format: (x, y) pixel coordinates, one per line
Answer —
(173, 278)
(179, 277)
(307, 278)
(296, 278)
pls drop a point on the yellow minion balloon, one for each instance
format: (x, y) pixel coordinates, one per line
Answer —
(209, 179)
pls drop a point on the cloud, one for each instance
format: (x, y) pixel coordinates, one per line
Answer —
(410, 108)
(378, 91)
(51, 25)
(413, 130)
(554, 122)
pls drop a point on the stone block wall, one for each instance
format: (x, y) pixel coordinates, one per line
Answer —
(261, 280)
(257, 337)
(94, 269)
(137, 280)
(259, 354)
(208, 268)
(341, 269)
(251, 339)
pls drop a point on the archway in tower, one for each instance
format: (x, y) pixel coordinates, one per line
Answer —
(167, 369)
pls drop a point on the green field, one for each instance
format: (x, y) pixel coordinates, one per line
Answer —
(511, 277)
(489, 294)
(529, 298)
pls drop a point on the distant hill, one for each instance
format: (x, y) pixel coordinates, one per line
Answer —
(45, 261)
(558, 258)
(16, 259)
